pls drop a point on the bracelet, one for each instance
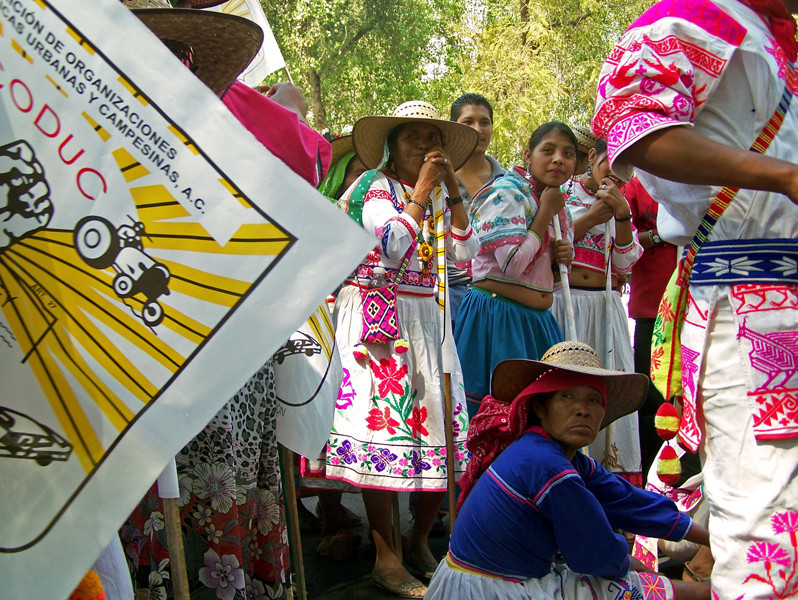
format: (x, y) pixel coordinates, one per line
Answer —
(454, 201)
(654, 238)
(421, 206)
(622, 219)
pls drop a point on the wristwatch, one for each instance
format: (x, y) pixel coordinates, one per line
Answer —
(654, 238)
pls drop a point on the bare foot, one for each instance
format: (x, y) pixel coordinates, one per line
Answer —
(387, 568)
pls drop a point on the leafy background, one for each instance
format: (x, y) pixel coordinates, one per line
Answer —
(535, 60)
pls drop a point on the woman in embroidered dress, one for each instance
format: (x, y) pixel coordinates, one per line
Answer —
(597, 205)
(530, 493)
(388, 431)
(506, 313)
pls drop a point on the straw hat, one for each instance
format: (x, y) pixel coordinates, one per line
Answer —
(584, 136)
(341, 146)
(370, 133)
(223, 45)
(206, 3)
(626, 392)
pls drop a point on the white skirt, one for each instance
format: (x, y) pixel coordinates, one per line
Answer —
(617, 446)
(388, 429)
(451, 584)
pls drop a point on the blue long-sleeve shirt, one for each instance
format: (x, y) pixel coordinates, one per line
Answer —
(533, 501)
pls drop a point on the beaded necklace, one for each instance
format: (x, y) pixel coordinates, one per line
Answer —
(425, 247)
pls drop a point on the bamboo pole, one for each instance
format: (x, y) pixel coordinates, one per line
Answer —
(169, 491)
(449, 432)
(177, 553)
(570, 321)
(292, 518)
(396, 527)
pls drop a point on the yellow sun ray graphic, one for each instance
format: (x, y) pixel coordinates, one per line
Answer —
(78, 315)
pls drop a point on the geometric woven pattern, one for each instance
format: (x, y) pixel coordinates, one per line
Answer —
(380, 324)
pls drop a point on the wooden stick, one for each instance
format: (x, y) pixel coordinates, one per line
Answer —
(169, 492)
(288, 74)
(448, 428)
(570, 321)
(292, 516)
(396, 526)
(608, 298)
(177, 554)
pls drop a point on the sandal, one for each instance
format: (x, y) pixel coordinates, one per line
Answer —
(340, 546)
(425, 571)
(409, 589)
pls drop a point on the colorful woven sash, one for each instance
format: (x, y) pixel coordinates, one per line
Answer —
(666, 349)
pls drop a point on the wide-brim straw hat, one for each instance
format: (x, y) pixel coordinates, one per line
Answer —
(626, 392)
(206, 3)
(223, 45)
(369, 133)
(341, 146)
(584, 136)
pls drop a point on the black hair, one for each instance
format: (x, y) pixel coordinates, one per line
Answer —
(601, 147)
(532, 419)
(545, 129)
(469, 98)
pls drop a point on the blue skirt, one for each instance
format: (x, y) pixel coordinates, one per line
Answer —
(490, 329)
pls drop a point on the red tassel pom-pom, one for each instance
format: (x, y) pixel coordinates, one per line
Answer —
(667, 421)
(669, 469)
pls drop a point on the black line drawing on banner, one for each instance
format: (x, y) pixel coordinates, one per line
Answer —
(25, 205)
(24, 437)
(100, 245)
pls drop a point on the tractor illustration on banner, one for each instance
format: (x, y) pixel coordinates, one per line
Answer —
(101, 245)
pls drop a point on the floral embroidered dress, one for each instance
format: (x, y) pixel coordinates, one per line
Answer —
(617, 446)
(722, 68)
(231, 507)
(388, 430)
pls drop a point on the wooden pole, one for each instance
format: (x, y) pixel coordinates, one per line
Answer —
(396, 526)
(570, 321)
(288, 75)
(177, 554)
(292, 517)
(169, 491)
(449, 432)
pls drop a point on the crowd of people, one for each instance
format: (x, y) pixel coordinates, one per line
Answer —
(485, 333)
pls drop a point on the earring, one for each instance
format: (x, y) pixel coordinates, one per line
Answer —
(589, 169)
(528, 174)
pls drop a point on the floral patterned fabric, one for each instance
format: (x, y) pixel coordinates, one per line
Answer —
(231, 507)
(388, 430)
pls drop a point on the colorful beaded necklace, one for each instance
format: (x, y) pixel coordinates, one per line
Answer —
(425, 247)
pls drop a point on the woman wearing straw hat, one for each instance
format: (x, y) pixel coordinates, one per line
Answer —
(605, 248)
(530, 493)
(388, 432)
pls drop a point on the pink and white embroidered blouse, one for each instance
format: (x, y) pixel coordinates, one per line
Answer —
(589, 249)
(509, 252)
(383, 217)
(714, 66)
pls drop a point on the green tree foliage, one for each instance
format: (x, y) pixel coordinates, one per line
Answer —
(538, 60)
(360, 57)
(535, 60)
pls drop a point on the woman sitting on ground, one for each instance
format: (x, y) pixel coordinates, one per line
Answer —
(541, 496)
